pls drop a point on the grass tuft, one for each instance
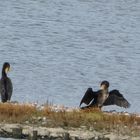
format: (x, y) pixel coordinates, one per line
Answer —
(15, 113)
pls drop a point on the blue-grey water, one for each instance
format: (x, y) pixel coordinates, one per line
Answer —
(59, 48)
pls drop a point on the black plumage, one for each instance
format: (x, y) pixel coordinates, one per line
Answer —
(116, 98)
(6, 87)
(88, 97)
(103, 98)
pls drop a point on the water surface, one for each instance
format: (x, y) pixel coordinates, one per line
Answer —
(59, 48)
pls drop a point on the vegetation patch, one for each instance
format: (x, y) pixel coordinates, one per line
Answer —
(90, 119)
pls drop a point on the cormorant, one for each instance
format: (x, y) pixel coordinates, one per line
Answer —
(6, 87)
(103, 97)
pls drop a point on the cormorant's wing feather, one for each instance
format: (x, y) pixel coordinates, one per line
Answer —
(6, 91)
(88, 97)
(116, 98)
(2, 91)
(9, 88)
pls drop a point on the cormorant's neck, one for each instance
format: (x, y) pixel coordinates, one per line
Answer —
(4, 73)
(105, 90)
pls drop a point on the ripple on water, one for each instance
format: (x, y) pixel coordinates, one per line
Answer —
(60, 48)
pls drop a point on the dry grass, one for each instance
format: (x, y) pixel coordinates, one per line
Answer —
(95, 119)
(89, 118)
(16, 113)
(92, 118)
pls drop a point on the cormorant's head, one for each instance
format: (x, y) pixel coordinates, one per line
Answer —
(104, 85)
(6, 67)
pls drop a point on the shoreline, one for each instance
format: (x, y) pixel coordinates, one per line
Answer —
(33, 121)
(20, 131)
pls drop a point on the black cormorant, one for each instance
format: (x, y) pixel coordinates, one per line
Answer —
(6, 87)
(103, 97)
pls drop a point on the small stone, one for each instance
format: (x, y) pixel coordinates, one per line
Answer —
(44, 119)
(74, 138)
(39, 118)
(66, 136)
(33, 135)
(95, 138)
(27, 122)
(83, 127)
(17, 132)
(91, 129)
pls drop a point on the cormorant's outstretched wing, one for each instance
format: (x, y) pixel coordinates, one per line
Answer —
(88, 97)
(116, 98)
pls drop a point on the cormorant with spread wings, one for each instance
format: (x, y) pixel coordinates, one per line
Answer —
(103, 97)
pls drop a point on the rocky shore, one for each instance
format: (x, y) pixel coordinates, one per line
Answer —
(43, 133)
(43, 122)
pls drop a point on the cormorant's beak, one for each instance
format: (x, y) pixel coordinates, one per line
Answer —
(102, 87)
(7, 70)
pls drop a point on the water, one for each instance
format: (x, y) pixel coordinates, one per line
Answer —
(59, 48)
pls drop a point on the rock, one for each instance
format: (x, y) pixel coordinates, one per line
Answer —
(17, 132)
(27, 122)
(74, 138)
(66, 136)
(33, 135)
(44, 118)
(55, 138)
(39, 118)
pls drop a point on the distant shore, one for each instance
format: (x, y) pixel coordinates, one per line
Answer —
(59, 122)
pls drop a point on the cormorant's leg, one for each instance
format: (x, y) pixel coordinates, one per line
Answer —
(89, 106)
